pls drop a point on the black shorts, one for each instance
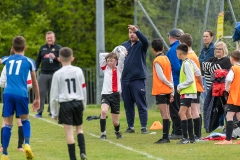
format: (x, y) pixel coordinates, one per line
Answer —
(163, 99)
(232, 108)
(71, 113)
(113, 100)
(186, 102)
(197, 100)
(3, 113)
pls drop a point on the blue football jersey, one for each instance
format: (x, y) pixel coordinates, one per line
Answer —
(17, 70)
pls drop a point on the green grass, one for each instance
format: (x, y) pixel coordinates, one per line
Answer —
(48, 142)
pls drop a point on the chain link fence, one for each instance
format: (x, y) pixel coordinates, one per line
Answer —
(90, 79)
(157, 17)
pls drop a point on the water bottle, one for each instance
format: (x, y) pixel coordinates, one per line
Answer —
(50, 60)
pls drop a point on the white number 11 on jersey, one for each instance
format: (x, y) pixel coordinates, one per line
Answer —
(12, 62)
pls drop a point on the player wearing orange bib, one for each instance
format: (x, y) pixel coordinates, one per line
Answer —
(162, 86)
(232, 86)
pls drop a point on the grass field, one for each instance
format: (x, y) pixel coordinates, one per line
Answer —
(48, 142)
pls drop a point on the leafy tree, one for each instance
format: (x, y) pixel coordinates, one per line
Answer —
(15, 20)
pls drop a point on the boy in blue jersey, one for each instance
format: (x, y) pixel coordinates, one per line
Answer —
(19, 123)
(16, 94)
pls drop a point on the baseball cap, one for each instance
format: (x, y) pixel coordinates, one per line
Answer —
(175, 32)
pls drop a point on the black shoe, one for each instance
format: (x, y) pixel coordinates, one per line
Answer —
(174, 136)
(198, 139)
(130, 130)
(103, 137)
(192, 140)
(184, 141)
(144, 131)
(170, 135)
(83, 156)
(118, 135)
(162, 140)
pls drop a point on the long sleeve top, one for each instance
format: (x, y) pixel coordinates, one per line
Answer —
(228, 80)
(163, 78)
(189, 79)
(213, 64)
(135, 61)
(112, 76)
(175, 62)
(206, 53)
(43, 58)
(68, 84)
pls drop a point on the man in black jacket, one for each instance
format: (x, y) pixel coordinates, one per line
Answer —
(48, 58)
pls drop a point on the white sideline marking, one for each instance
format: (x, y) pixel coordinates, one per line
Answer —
(117, 144)
(128, 148)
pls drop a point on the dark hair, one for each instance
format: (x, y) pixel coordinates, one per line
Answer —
(187, 39)
(183, 48)
(18, 43)
(210, 32)
(157, 45)
(66, 52)
(112, 55)
(235, 55)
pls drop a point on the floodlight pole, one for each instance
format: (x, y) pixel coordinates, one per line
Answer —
(222, 6)
(177, 13)
(100, 46)
(205, 22)
(152, 24)
(234, 18)
(231, 9)
(135, 11)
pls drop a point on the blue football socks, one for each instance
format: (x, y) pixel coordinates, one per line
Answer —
(26, 130)
(6, 138)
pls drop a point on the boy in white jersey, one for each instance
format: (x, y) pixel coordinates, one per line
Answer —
(112, 67)
(188, 91)
(16, 94)
(69, 90)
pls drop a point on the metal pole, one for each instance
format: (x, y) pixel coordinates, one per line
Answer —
(222, 6)
(177, 12)
(135, 11)
(100, 45)
(205, 22)
(234, 18)
(232, 12)
(154, 27)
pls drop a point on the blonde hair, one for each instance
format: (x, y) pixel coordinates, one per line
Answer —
(224, 47)
(50, 32)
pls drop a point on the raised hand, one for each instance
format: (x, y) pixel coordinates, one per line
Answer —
(132, 27)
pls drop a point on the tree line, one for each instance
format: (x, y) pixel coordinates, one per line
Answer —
(74, 23)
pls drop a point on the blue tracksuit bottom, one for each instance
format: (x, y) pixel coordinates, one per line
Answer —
(135, 92)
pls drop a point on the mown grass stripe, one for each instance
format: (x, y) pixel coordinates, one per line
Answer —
(116, 144)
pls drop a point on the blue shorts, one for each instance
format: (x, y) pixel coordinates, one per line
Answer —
(14, 103)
